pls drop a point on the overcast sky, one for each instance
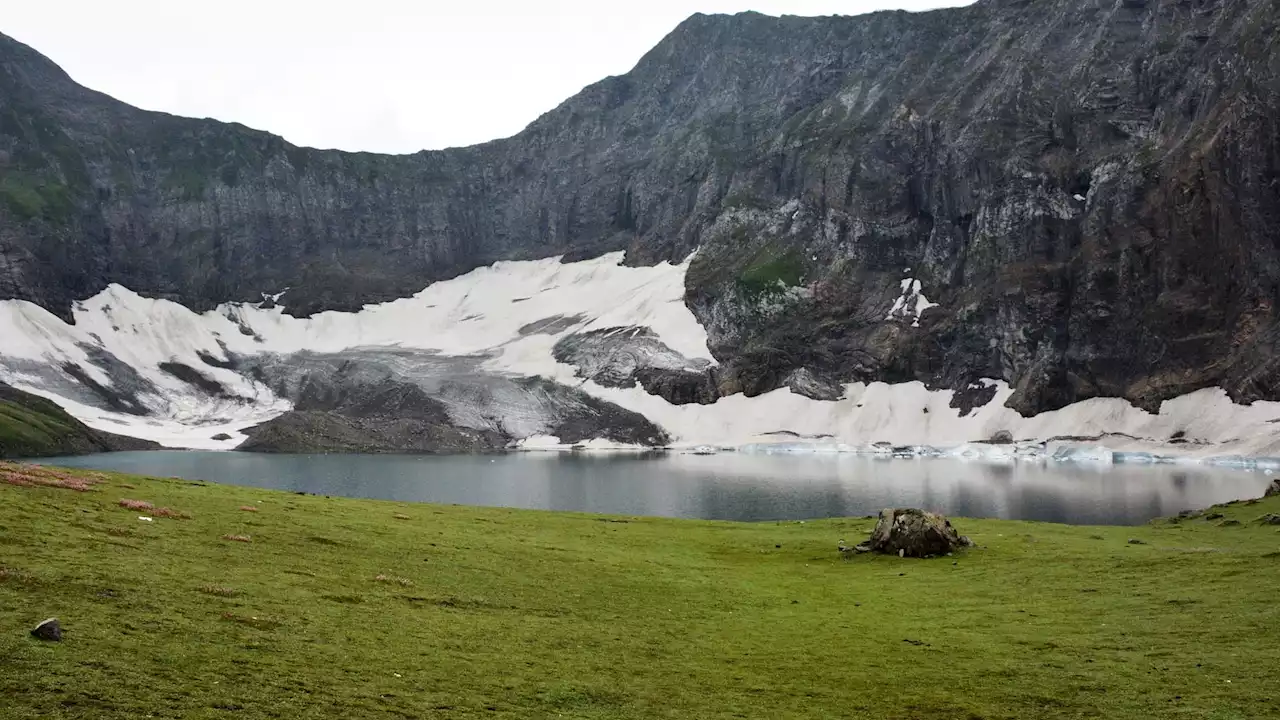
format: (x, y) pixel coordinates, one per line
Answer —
(379, 75)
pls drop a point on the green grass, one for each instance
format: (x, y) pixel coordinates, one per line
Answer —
(347, 608)
(32, 426)
(27, 430)
(772, 274)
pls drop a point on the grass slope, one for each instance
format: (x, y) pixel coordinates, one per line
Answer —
(31, 426)
(352, 609)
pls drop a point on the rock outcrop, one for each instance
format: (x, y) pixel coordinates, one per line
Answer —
(909, 532)
(1079, 198)
(49, 630)
(371, 400)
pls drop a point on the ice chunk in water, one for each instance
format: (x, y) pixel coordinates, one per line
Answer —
(1097, 455)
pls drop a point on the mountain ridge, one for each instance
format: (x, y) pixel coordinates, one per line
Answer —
(1080, 199)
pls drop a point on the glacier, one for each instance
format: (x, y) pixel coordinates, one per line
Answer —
(154, 369)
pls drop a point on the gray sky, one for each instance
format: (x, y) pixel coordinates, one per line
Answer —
(379, 75)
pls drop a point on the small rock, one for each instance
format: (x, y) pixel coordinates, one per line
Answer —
(1270, 519)
(48, 630)
(1214, 516)
(1002, 437)
(1273, 490)
(1228, 523)
(1136, 541)
(221, 437)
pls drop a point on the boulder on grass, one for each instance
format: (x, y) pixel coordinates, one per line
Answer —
(48, 630)
(910, 532)
(1273, 489)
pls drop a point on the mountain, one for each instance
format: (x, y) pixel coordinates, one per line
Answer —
(32, 426)
(1058, 198)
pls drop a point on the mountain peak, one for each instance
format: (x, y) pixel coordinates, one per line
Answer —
(1080, 201)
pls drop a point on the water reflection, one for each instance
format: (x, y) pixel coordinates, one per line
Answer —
(728, 486)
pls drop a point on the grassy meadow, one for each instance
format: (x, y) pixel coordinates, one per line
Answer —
(242, 603)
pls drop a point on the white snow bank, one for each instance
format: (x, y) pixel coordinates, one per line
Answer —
(493, 310)
(910, 415)
(551, 443)
(515, 312)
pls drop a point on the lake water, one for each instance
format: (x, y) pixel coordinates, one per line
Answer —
(727, 486)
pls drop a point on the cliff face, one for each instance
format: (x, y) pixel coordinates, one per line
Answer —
(1080, 197)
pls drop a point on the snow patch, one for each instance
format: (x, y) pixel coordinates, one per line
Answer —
(551, 443)
(910, 304)
(477, 314)
(480, 316)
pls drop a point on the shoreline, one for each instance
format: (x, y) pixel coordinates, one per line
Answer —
(1128, 451)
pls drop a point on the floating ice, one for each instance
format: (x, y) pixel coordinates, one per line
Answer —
(1092, 455)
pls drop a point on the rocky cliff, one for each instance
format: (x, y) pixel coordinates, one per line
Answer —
(1079, 197)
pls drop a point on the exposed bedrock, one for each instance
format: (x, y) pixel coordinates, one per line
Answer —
(625, 357)
(1079, 198)
(379, 400)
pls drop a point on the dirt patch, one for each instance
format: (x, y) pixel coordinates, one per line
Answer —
(37, 476)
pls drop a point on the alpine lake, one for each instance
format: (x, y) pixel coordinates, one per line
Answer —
(723, 486)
